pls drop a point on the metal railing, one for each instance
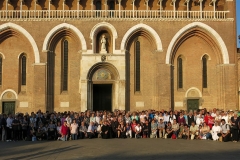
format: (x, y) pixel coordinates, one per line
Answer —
(116, 14)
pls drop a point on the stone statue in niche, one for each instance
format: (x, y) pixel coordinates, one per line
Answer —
(103, 44)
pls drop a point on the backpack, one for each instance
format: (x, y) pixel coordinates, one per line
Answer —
(174, 136)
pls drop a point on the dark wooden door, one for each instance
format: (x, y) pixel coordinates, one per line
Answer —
(8, 107)
(192, 104)
(102, 97)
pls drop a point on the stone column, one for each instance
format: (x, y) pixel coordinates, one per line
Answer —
(174, 8)
(92, 7)
(119, 8)
(146, 3)
(21, 3)
(200, 1)
(133, 4)
(160, 7)
(64, 2)
(49, 8)
(35, 7)
(187, 1)
(105, 4)
(78, 1)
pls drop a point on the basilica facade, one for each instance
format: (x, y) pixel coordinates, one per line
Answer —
(74, 55)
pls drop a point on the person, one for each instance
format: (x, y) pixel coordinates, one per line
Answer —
(15, 128)
(51, 130)
(128, 130)
(114, 124)
(59, 128)
(161, 128)
(235, 121)
(64, 131)
(91, 131)
(145, 130)
(193, 131)
(175, 127)
(181, 119)
(74, 129)
(166, 118)
(82, 131)
(169, 131)
(41, 132)
(205, 131)
(105, 130)
(216, 129)
(121, 130)
(225, 131)
(3, 127)
(24, 124)
(190, 118)
(186, 132)
(9, 127)
(138, 130)
(154, 128)
(180, 133)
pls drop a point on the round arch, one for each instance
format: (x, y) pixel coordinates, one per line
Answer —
(101, 26)
(60, 27)
(3, 56)
(193, 88)
(20, 29)
(207, 28)
(106, 65)
(137, 27)
(9, 90)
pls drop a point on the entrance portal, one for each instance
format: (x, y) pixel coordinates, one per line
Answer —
(102, 97)
(8, 107)
(192, 104)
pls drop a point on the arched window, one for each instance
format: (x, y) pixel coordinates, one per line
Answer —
(180, 72)
(204, 71)
(65, 66)
(23, 70)
(112, 5)
(137, 66)
(98, 5)
(1, 70)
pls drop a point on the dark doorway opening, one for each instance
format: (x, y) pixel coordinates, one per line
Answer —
(102, 97)
(192, 104)
(8, 107)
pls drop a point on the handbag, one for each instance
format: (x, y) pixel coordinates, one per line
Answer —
(174, 136)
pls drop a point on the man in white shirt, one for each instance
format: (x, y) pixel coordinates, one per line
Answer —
(213, 114)
(225, 132)
(9, 128)
(225, 117)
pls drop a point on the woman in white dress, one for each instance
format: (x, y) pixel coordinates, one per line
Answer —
(215, 130)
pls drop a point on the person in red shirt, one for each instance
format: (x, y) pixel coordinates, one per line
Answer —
(208, 119)
(64, 131)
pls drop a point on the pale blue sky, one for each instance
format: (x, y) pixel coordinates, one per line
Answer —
(238, 22)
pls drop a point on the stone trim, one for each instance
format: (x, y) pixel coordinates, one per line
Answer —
(60, 27)
(139, 27)
(9, 90)
(26, 34)
(207, 28)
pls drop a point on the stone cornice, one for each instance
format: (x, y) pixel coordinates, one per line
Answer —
(120, 19)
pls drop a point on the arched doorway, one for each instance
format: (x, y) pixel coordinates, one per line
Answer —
(8, 102)
(193, 99)
(102, 87)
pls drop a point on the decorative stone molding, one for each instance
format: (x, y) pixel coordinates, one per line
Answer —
(10, 91)
(60, 27)
(24, 33)
(221, 44)
(100, 26)
(146, 28)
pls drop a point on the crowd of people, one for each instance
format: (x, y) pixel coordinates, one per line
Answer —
(216, 125)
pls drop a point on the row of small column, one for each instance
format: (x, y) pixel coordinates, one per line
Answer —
(173, 2)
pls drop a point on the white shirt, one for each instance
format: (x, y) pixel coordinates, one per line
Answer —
(225, 118)
(98, 119)
(213, 115)
(138, 129)
(9, 122)
(166, 118)
(215, 131)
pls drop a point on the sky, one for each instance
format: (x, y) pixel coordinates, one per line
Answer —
(238, 22)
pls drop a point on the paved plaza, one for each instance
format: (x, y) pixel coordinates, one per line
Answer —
(113, 149)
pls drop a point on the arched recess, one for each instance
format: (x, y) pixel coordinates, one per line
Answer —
(141, 27)
(193, 94)
(59, 28)
(53, 38)
(195, 26)
(113, 80)
(8, 26)
(100, 27)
